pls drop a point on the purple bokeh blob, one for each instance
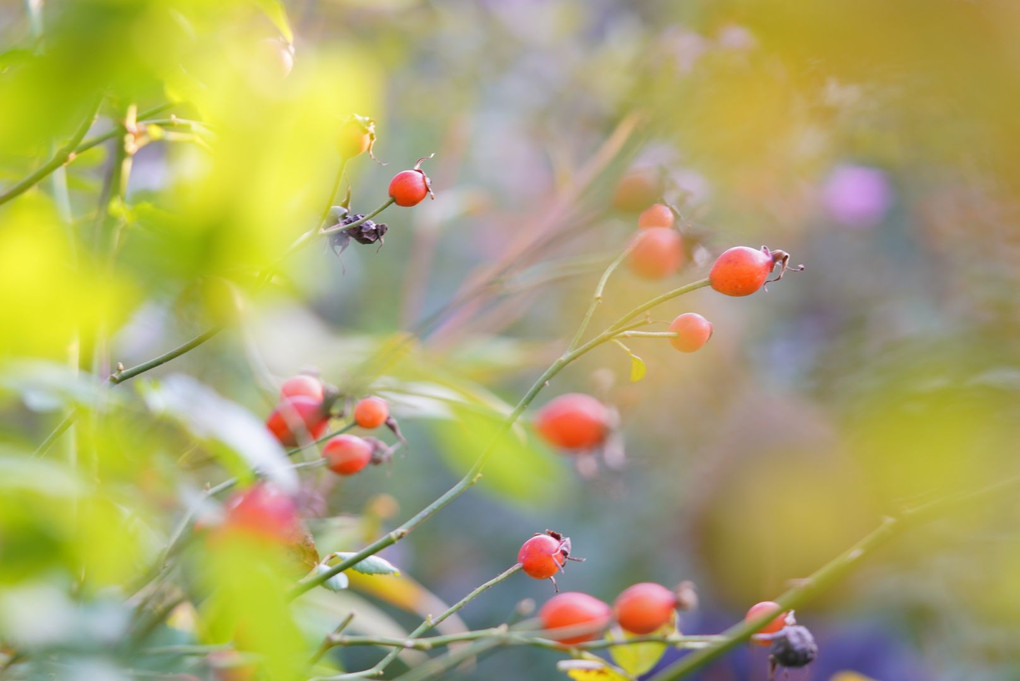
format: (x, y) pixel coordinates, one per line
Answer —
(857, 196)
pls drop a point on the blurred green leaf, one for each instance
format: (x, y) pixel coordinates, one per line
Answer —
(48, 386)
(19, 473)
(235, 433)
(516, 470)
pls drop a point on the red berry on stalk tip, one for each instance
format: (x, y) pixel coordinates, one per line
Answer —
(410, 187)
(347, 454)
(294, 414)
(692, 332)
(357, 135)
(656, 253)
(574, 421)
(637, 189)
(542, 556)
(371, 412)
(657, 215)
(644, 607)
(740, 271)
(761, 609)
(263, 511)
(302, 384)
(574, 610)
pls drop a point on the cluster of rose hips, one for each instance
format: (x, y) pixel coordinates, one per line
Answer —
(644, 608)
(577, 422)
(304, 411)
(639, 609)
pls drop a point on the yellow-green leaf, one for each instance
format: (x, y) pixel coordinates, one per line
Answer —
(637, 368)
(591, 670)
(638, 658)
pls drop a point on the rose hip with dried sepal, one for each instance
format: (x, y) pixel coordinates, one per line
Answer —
(371, 412)
(346, 454)
(357, 135)
(740, 271)
(542, 556)
(410, 187)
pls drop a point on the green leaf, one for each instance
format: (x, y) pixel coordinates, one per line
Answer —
(518, 469)
(231, 431)
(637, 365)
(48, 386)
(373, 565)
(20, 473)
(638, 658)
(637, 368)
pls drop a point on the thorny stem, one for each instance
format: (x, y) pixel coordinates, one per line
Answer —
(827, 575)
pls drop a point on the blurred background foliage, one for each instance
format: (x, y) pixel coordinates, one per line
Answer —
(875, 141)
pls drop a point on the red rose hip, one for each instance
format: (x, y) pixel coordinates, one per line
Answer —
(371, 412)
(263, 511)
(573, 421)
(294, 414)
(542, 556)
(692, 332)
(357, 135)
(410, 187)
(760, 610)
(644, 607)
(346, 454)
(302, 384)
(657, 215)
(740, 271)
(574, 610)
(656, 253)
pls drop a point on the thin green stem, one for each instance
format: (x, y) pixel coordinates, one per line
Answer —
(184, 650)
(647, 334)
(474, 474)
(827, 575)
(62, 156)
(431, 623)
(597, 297)
(357, 223)
(119, 129)
(659, 300)
(336, 187)
(127, 374)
